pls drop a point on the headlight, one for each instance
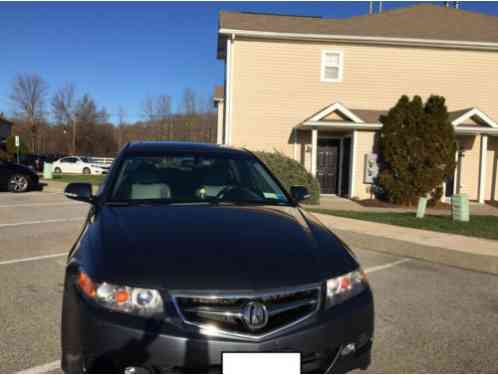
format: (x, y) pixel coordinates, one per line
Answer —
(342, 288)
(137, 301)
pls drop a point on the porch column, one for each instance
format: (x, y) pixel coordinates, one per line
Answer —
(483, 167)
(314, 150)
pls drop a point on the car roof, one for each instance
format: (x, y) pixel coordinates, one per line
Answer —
(158, 147)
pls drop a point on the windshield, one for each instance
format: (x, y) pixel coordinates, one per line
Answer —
(192, 178)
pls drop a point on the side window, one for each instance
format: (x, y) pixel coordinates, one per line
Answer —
(332, 66)
(71, 160)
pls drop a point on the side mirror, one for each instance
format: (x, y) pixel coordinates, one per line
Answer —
(299, 193)
(79, 191)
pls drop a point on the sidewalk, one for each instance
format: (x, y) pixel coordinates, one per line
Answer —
(343, 204)
(453, 250)
(51, 186)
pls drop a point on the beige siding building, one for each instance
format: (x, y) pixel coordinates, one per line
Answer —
(314, 89)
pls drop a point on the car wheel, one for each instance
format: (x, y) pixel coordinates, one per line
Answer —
(87, 170)
(18, 183)
(57, 170)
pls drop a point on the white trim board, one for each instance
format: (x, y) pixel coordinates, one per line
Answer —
(474, 112)
(339, 66)
(340, 125)
(333, 108)
(434, 43)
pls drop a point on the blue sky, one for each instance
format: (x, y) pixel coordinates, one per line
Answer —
(122, 52)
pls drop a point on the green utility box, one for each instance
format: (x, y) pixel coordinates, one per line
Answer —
(460, 207)
(48, 173)
(422, 205)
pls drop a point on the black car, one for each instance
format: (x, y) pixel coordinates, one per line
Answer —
(17, 178)
(193, 250)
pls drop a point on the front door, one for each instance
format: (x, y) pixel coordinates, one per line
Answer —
(328, 165)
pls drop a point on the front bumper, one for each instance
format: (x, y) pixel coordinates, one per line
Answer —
(112, 341)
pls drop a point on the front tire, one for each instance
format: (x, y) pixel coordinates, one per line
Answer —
(87, 171)
(18, 183)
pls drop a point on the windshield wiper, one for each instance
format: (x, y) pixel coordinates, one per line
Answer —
(248, 202)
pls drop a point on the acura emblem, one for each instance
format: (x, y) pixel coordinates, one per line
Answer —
(255, 315)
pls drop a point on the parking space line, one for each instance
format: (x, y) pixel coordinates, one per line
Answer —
(387, 265)
(31, 259)
(47, 367)
(41, 222)
(52, 366)
(40, 204)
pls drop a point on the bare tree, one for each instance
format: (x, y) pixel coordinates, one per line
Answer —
(163, 106)
(122, 115)
(148, 108)
(189, 102)
(28, 94)
(64, 107)
(156, 108)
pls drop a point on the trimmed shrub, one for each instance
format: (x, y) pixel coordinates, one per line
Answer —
(417, 149)
(291, 173)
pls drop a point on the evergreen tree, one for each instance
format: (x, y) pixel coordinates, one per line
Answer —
(417, 149)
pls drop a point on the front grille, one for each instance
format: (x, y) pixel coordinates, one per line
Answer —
(228, 313)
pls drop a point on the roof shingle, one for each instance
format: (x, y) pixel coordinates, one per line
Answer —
(424, 21)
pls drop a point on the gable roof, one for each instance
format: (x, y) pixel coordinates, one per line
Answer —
(219, 93)
(458, 118)
(420, 22)
(369, 119)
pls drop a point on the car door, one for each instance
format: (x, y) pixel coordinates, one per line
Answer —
(78, 166)
(67, 165)
(4, 174)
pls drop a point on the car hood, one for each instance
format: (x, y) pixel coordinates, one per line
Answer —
(212, 248)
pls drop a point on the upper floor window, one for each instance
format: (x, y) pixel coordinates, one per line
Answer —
(332, 65)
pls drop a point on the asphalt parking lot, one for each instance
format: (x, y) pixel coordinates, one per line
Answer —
(429, 318)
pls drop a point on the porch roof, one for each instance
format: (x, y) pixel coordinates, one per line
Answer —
(337, 116)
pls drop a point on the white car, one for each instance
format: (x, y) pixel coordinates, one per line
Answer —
(77, 164)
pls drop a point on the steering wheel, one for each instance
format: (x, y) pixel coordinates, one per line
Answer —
(224, 190)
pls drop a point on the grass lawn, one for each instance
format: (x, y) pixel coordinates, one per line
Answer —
(478, 226)
(94, 180)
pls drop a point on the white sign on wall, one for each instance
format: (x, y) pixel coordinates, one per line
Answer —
(371, 168)
(17, 141)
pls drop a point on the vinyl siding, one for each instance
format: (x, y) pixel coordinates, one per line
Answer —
(276, 84)
(364, 145)
(469, 184)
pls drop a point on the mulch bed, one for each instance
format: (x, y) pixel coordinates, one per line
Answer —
(492, 203)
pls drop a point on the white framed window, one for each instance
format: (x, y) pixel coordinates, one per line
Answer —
(332, 66)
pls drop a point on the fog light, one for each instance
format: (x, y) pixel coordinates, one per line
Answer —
(348, 349)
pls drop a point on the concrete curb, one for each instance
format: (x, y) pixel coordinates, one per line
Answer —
(449, 257)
